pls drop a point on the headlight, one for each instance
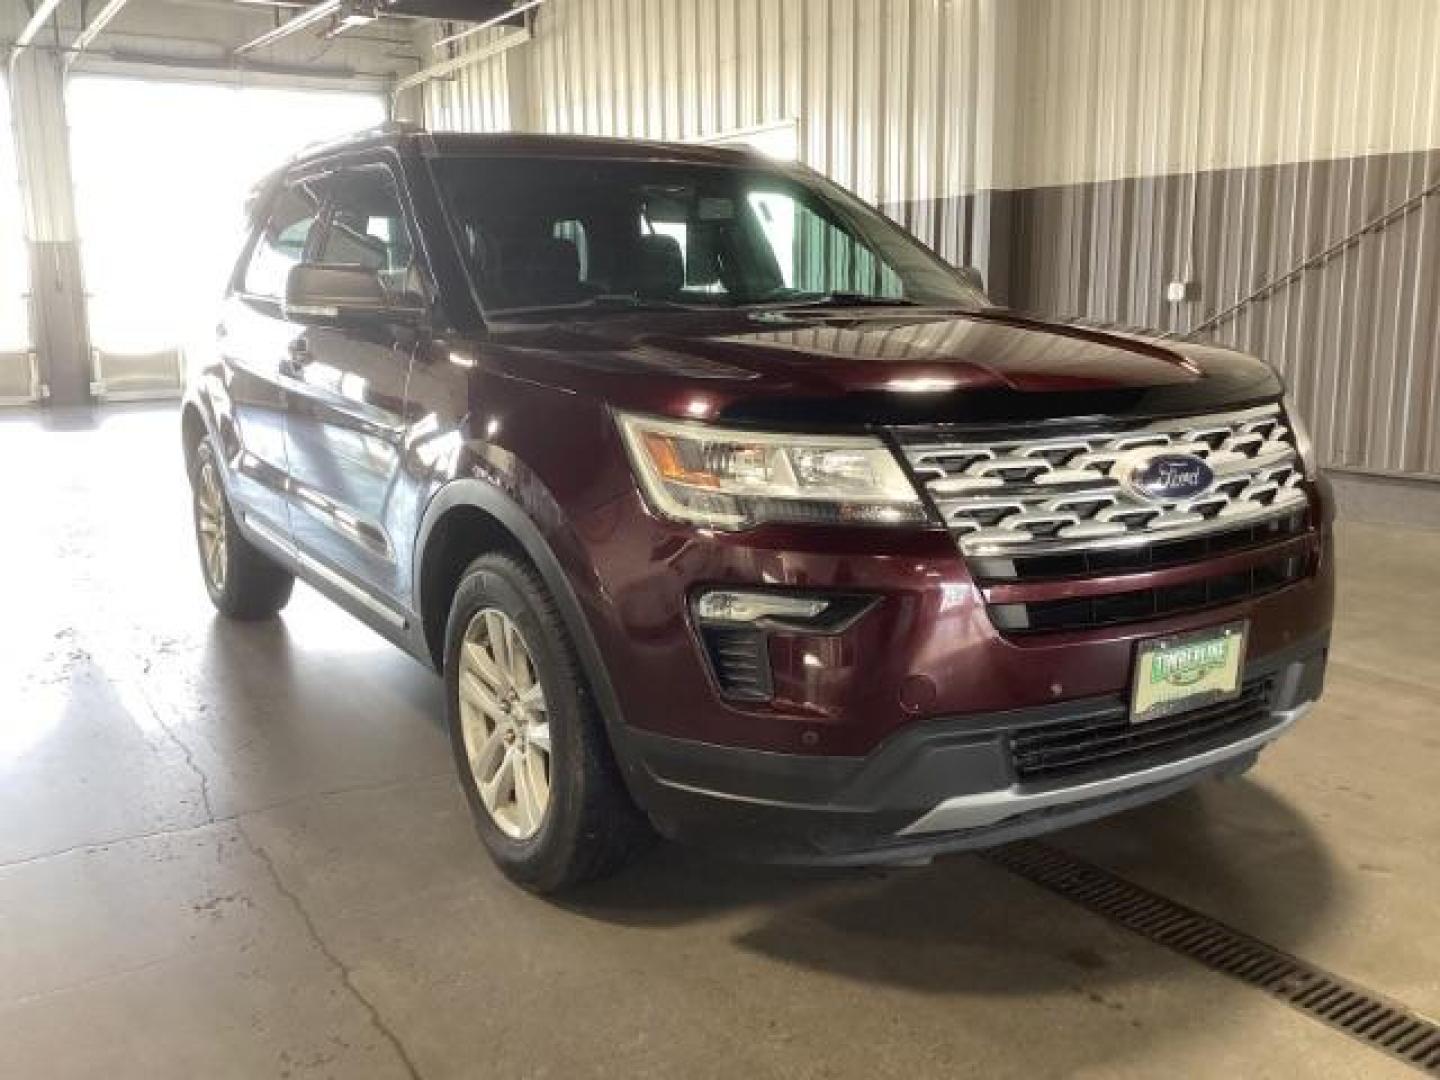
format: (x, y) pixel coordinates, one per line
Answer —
(1303, 446)
(728, 479)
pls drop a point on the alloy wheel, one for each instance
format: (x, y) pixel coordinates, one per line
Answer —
(504, 723)
(210, 524)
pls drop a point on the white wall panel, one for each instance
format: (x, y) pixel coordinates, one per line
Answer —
(886, 90)
(1122, 88)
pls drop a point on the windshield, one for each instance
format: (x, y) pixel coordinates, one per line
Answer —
(541, 234)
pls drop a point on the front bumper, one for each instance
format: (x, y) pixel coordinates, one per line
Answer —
(944, 785)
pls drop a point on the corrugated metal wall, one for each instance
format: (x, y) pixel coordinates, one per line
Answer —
(1104, 148)
(886, 91)
(1223, 142)
(475, 98)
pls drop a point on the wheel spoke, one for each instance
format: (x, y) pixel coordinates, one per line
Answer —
(539, 736)
(515, 653)
(540, 782)
(473, 691)
(525, 814)
(539, 785)
(485, 757)
(483, 664)
(498, 646)
(531, 791)
(500, 788)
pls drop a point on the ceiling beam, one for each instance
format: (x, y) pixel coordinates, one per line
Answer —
(308, 17)
(448, 67)
(488, 23)
(36, 24)
(102, 19)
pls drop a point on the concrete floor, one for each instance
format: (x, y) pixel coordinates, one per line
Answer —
(237, 851)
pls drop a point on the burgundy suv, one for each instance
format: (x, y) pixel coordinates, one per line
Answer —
(729, 510)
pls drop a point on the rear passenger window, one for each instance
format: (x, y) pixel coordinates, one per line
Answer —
(282, 243)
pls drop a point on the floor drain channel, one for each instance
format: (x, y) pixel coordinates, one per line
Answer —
(1357, 1012)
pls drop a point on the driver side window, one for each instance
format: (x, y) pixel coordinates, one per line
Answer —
(282, 242)
(367, 228)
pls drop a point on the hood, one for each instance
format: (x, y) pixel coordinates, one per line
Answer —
(862, 367)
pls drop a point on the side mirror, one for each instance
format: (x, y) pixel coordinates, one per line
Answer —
(973, 278)
(318, 292)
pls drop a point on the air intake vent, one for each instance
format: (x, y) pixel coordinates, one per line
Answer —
(1112, 609)
(740, 659)
(1108, 740)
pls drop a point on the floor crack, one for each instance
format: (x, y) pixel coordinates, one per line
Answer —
(124, 680)
(346, 975)
(185, 752)
(226, 819)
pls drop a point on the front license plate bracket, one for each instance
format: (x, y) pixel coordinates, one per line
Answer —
(1186, 671)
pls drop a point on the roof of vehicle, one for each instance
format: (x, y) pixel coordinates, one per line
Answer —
(406, 136)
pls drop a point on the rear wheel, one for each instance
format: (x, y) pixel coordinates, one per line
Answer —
(243, 582)
(543, 787)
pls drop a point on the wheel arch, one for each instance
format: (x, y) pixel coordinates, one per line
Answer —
(468, 518)
(193, 430)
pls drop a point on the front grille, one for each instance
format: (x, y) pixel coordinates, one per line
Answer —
(1138, 558)
(1110, 609)
(1017, 494)
(1107, 741)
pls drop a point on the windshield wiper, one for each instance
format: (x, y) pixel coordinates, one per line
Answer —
(631, 302)
(603, 302)
(844, 299)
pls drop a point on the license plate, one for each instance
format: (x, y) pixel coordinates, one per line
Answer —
(1186, 671)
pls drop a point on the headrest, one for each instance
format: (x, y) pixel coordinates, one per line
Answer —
(543, 271)
(659, 266)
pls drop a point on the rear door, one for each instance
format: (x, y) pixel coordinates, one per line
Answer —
(345, 418)
(257, 343)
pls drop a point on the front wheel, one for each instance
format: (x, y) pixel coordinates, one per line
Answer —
(543, 787)
(243, 582)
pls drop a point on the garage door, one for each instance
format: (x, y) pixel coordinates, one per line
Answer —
(18, 380)
(161, 172)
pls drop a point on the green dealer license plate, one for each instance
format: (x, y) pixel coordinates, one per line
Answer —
(1186, 671)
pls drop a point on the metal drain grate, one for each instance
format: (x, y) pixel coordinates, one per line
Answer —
(1358, 1012)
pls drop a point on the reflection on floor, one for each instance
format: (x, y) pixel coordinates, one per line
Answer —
(237, 851)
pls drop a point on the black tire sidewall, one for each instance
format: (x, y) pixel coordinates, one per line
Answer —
(496, 581)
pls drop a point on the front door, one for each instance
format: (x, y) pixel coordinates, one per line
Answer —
(256, 342)
(346, 420)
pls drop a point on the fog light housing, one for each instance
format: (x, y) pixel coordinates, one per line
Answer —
(736, 625)
(748, 608)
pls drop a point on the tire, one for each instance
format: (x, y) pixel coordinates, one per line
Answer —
(541, 721)
(243, 582)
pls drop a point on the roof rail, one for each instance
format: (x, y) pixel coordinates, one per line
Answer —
(387, 131)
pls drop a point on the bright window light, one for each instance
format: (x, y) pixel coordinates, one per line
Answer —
(162, 171)
(14, 264)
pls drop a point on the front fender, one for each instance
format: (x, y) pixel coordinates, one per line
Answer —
(545, 554)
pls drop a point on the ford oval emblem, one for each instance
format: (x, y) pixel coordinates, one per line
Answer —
(1170, 477)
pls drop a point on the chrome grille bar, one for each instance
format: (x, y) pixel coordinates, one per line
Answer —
(1018, 495)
